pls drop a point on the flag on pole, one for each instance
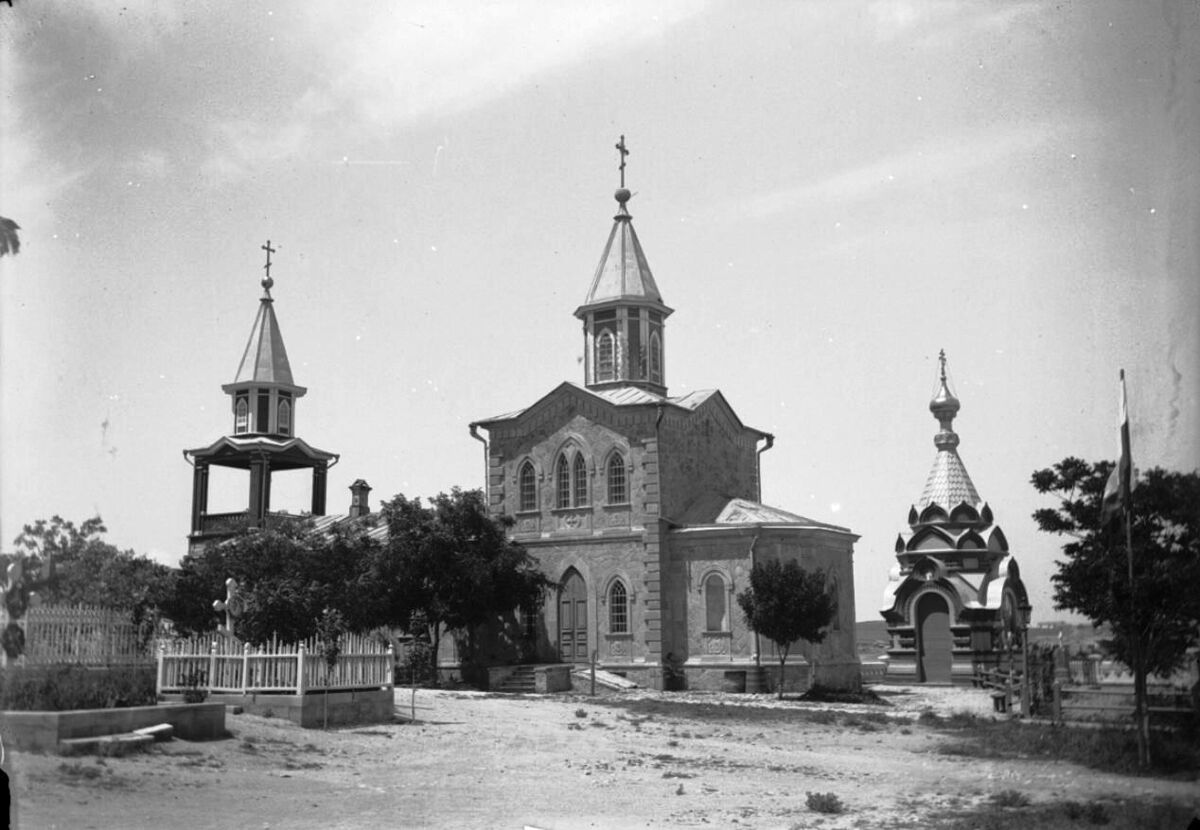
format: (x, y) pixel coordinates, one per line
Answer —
(1116, 490)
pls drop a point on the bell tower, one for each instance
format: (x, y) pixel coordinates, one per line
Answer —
(262, 439)
(624, 315)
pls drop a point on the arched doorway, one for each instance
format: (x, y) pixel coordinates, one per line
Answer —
(935, 644)
(573, 618)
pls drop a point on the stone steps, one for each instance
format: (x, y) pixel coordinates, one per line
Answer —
(521, 681)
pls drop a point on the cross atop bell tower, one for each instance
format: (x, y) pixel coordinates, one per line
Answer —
(620, 149)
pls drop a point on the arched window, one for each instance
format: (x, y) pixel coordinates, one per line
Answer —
(527, 488)
(580, 483)
(714, 603)
(618, 609)
(562, 479)
(617, 492)
(606, 360)
(285, 418)
(241, 421)
(655, 358)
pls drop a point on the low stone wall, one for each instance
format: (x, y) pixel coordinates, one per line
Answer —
(309, 711)
(42, 731)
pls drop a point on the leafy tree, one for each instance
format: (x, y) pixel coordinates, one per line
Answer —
(452, 565)
(786, 603)
(10, 242)
(1157, 616)
(65, 563)
(288, 577)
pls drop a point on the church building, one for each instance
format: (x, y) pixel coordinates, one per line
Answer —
(955, 600)
(644, 507)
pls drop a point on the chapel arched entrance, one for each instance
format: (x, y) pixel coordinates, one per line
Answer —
(934, 642)
(573, 618)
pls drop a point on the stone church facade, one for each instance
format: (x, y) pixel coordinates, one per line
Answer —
(644, 509)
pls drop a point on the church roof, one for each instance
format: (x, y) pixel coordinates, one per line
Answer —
(265, 359)
(948, 483)
(619, 396)
(623, 273)
(286, 453)
(720, 510)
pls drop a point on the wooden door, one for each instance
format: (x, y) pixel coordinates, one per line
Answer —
(573, 619)
(933, 622)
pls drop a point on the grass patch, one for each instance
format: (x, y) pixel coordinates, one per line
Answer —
(822, 694)
(1173, 754)
(1068, 815)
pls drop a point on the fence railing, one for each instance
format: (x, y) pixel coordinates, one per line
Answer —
(228, 666)
(79, 634)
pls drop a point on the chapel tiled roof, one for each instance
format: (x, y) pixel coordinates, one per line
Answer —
(949, 483)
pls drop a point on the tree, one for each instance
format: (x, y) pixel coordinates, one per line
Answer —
(452, 565)
(288, 576)
(786, 603)
(73, 564)
(10, 242)
(1157, 617)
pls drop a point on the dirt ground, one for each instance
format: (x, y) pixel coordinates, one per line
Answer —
(474, 760)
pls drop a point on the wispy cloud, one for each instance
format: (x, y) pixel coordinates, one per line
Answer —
(942, 159)
(937, 22)
(237, 146)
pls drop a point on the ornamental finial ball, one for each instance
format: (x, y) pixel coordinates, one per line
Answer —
(622, 195)
(267, 282)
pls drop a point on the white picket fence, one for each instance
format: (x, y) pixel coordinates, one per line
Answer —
(78, 634)
(228, 666)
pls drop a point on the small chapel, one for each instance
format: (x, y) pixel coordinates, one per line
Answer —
(644, 508)
(954, 601)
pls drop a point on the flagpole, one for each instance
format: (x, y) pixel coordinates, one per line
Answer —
(1139, 675)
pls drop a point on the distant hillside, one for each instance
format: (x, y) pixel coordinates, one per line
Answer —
(872, 638)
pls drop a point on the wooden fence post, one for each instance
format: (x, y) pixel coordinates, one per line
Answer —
(300, 669)
(245, 667)
(391, 666)
(212, 665)
(1057, 708)
(159, 678)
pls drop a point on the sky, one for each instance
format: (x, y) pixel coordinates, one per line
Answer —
(828, 193)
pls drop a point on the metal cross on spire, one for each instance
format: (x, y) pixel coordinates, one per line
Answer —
(624, 152)
(942, 361)
(267, 281)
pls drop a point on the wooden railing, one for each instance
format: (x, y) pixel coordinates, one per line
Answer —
(227, 666)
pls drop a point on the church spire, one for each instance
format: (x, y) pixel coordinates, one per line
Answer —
(263, 391)
(623, 314)
(948, 483)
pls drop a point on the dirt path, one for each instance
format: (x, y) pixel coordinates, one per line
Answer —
(564, 761)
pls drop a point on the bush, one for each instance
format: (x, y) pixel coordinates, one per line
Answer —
(825, 803)
(62, 688)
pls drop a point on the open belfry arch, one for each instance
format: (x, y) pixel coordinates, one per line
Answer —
(643, 507)
(955, 599)
(263, 436)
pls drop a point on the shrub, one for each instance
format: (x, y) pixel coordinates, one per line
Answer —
(66, 687)
(1010, 798)
(825, 803)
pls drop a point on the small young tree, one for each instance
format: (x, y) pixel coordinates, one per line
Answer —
(786, 603)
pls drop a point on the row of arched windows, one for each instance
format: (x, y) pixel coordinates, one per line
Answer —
(571, 481)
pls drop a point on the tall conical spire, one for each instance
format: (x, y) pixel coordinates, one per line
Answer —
(948, 483)
(623, 312)
(263, 391)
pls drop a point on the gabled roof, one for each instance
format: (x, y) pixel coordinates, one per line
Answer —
(617, 396)
(714, 510)
(623, 273)
(265, 359)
